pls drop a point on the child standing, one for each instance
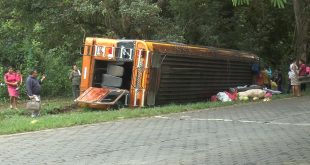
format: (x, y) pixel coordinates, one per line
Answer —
(19, 79)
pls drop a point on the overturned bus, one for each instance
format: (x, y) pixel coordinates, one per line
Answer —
(139, 73)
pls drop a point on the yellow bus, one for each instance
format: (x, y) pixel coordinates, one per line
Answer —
(138, 73)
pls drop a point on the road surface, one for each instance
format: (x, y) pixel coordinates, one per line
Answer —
(276, 132)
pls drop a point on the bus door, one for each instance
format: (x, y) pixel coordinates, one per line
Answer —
(102, 96)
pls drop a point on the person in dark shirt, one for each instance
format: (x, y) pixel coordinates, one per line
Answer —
(33, 86)
(278, 79)
(302, 72)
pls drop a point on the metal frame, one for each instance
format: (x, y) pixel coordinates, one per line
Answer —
(123, 92)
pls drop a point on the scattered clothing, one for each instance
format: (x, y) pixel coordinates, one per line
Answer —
(252, 93)
(272, 91)
(222, 96)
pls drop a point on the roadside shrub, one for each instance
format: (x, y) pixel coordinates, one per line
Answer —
(57, 82)
(3, 94)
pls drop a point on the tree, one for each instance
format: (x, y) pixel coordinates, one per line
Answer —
(48, 35)
(302, 20)
(278, 3)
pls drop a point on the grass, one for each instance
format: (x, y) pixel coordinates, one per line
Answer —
(12, 121)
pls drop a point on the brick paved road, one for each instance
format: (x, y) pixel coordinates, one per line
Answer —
(276, 132)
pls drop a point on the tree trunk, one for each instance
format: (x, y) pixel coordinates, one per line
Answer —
(302, 22)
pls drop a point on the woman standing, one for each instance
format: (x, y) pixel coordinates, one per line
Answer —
(10, 79)
(75, 77)
(294, 78)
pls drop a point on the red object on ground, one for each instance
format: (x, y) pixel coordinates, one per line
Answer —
(268, 95)
(233, 96)
(214, 98)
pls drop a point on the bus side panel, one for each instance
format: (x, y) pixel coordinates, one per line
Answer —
(188, 78)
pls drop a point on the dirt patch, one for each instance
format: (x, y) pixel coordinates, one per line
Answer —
(65, 109)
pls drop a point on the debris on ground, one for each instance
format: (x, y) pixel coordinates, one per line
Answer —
(245, 93)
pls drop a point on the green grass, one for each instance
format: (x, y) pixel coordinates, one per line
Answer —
(16, 121)
(12, 121)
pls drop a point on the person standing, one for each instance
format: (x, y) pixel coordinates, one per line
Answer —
(255, 72)
(75, 77)
(289, 87)
(294, 72)
(19, 79)
(302, 72)
(33, 86)
(269, 72)
(10, 79)
(266, 78)
(278, 79)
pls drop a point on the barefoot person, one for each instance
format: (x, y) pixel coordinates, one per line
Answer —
(10, 79)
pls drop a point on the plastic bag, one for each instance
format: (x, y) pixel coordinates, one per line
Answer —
(222, 96)
(274, 85)
(232, 96)
(33, 105)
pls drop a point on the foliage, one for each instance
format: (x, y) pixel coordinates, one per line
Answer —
(47, 35)
(140, 18)
(259, 28)
(302, 22)
(57, 73)
(277, 3)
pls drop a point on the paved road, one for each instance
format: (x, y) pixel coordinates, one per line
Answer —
(276, 132)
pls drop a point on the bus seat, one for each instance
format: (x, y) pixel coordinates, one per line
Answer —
(115, 70)
(111, 81)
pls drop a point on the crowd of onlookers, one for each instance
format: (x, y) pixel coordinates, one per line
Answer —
(297, 69)
(274, 80)
(14, 79)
